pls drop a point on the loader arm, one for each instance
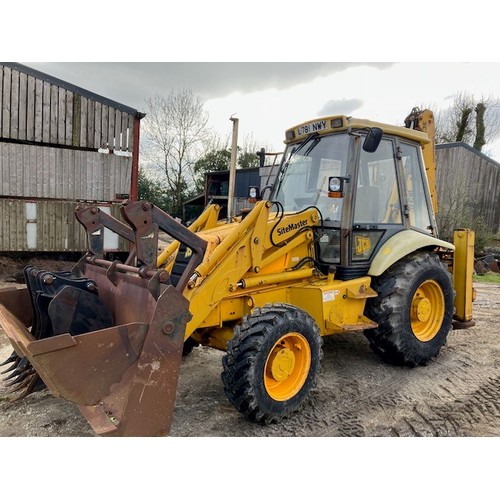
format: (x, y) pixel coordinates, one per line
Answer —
(207, 220)
(245, 256)
(227, 255)
(146, 219)
(94, 220)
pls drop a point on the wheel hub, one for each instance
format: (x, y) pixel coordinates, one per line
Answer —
(282, 364)
(427, 310)
(421, 309)
(287, 366)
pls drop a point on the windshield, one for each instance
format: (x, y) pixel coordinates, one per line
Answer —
(304, 179)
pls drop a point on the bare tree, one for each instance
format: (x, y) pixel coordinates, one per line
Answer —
(475, 121)
(174, 137)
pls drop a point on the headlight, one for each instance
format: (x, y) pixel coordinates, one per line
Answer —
(253, 194)
(335, 187)
(334, 184)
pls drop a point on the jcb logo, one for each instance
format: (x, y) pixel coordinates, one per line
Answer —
(363, 244)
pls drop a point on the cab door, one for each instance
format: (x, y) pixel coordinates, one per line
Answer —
(416, 195)
(378, 211)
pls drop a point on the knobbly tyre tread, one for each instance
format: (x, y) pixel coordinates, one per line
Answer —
(393, 339)
(243, 364)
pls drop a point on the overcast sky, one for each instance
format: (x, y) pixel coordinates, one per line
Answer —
(270, 97)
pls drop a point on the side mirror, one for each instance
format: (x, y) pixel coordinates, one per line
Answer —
(372, 140)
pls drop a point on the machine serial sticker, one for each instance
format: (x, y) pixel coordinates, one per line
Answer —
(330, 295)
(312, 127)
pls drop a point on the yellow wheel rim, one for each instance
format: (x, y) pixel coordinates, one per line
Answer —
(427, 310)
(287, 366)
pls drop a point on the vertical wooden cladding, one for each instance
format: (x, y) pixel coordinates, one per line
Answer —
(46, 111)
(54, 228)
(36, 110)
(101, 126)
(32, 171)
(6, 101)
(14, 104)
(465, 177)
(37, 133)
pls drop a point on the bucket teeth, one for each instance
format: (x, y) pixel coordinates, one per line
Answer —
(18, 367)
(13, 357)
(14, 374)
(20, 377)
(23, 377)
(14, 365)
(27, 386)
(19, 386)
(28, 381)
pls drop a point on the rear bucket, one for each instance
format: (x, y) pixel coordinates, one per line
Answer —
(123, 376)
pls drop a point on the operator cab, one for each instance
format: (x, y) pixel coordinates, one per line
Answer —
(367, 181)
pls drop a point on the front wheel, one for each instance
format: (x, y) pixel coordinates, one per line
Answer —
(414, 310)
(272, 362)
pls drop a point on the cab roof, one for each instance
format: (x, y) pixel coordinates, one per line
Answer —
(339, 123)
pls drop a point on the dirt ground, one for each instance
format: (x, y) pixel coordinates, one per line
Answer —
(458, 394)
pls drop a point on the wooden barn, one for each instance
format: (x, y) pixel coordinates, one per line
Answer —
(468, 185)
(60, 145)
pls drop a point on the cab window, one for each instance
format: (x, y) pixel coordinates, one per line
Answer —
(377, 192)
(414, 185)
(304, 182)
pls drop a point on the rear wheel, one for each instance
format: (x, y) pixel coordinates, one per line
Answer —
(414, 310)
(272, 362)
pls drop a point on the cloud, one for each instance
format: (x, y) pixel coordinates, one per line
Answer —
(132, 83)
(340, 107)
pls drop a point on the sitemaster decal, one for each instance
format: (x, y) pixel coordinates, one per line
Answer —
(292, 226)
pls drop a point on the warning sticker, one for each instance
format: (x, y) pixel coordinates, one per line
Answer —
(330, 295)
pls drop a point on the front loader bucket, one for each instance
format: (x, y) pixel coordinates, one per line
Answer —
(123, 374)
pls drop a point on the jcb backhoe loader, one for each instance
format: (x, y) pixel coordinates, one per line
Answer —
(344, 241)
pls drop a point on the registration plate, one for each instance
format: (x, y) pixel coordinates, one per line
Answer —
(312, 127)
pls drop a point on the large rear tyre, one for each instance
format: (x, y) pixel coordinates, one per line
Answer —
(272, 362)
(414, 310)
